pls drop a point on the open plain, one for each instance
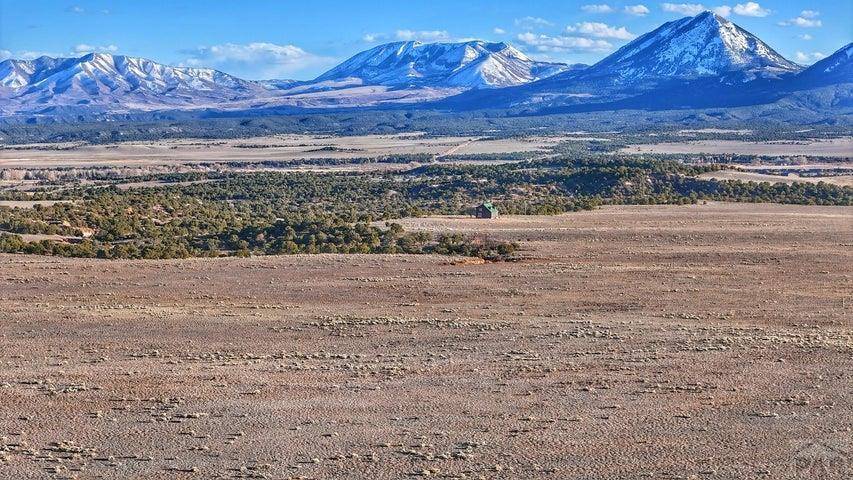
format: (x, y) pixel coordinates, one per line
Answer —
(275, 147)
(835, 147)
(704, 341)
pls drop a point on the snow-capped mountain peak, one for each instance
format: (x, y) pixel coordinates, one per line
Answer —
(101, 79)
(472, 64)
(692, 47)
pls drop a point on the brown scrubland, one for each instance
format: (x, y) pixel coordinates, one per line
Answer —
(702, 341)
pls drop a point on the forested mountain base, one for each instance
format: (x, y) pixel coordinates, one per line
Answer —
(627, 126)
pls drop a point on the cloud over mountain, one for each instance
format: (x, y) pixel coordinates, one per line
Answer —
(684, 8)
(637, 10)
(598, 8)
(423, 35)
(751, 9)
(565, 44)
(601, 30)
(256, 60)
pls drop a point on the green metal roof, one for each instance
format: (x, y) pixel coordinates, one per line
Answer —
(489, 207)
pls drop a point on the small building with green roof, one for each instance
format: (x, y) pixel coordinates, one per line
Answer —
(486, 210)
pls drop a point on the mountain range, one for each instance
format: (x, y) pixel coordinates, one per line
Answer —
(663, 69)
(113, 83)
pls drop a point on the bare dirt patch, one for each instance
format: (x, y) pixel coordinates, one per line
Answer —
(702, 341)
(30, 203)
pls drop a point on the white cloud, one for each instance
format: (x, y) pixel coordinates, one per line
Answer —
(373, 37)
(809, 57)
(722, 10)
(805, 36)
(85, 48)
(423, 35)
(637, 10)
(751, 9)
(256, 60)
(531, 23)
(4, 54)
(499, 31)
(546, 43)
(81, 10)
(807, 19)
(689, 9)
(803, 22)
(426, 36)
(601, 30)
(748, 9)
(600, 8)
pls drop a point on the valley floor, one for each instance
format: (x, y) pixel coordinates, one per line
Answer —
(835, 147)
(704, 341)
(280, 148)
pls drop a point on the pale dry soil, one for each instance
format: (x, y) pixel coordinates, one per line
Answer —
(708, 341)
(277, 147)
(26, 204)
(748, 176)
(835, 147)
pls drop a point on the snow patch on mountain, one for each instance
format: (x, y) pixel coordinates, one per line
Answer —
(692, 47)
(474, 64)
(834, 69)
(838, 60)
(115, 81)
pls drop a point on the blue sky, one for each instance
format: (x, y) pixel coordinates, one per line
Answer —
(300, 39)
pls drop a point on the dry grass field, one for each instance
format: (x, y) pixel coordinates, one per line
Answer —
(29, 204)
(708, 341)
(277, 147)
(835, 147)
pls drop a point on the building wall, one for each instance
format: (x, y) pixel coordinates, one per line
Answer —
(483, 212)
